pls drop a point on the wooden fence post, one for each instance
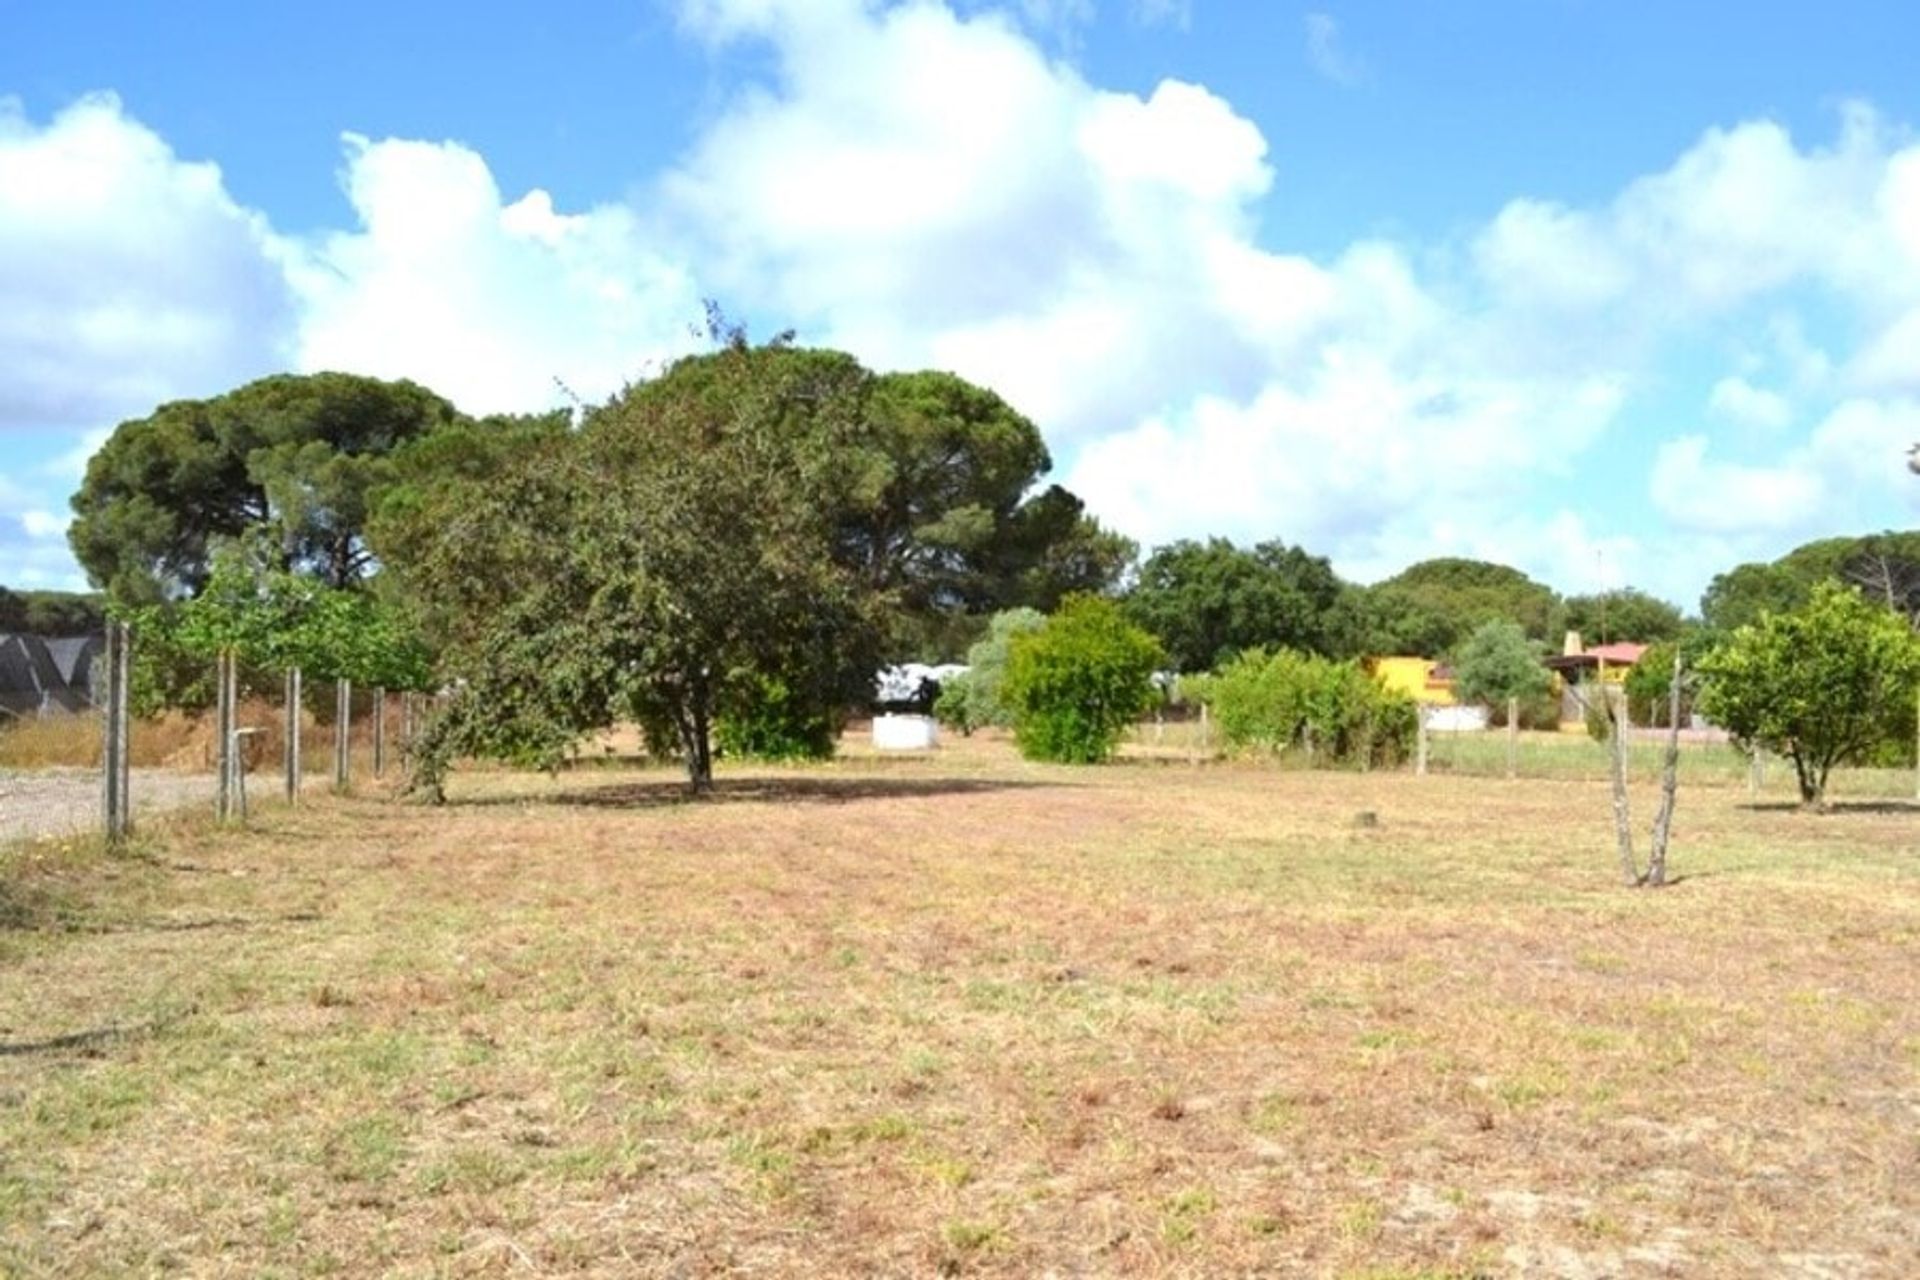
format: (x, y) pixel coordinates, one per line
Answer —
(1420, 741)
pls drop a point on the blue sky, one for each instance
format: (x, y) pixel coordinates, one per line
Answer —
(1616, 293)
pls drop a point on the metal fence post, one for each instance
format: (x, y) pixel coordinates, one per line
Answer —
(115, 773)
(379, 731)
(291, 753)
(342, 730)
(223, 721)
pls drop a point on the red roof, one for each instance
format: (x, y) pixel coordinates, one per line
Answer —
(1621, 653)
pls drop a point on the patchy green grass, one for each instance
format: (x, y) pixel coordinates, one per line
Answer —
(958, 1014)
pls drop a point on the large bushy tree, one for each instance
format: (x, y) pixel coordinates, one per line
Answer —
(949, 525)
(299, 455)
(1884, 566)
(685, 545)
(1623, 614)
(1822, 684)
(1431, 607)
(1206, 601)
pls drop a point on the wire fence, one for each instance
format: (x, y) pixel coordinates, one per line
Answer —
(75, 760)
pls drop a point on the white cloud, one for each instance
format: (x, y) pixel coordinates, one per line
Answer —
(1696, 493)
(1091, 254)
(487, 302)
(1326, 54)
(129, 275)
(1740, 402)
(1854, 460)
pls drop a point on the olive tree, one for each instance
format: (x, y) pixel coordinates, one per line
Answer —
(1496, 665)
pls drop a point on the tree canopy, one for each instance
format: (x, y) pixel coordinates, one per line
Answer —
(1623, 614)
(1497, 663)
(686, 544)
(300, 455)
(946, 526)
(1206, 601)
(1431, 607)
(1822, 684)
(52, 613)
(1885, 566)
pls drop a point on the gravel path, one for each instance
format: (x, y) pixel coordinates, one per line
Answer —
(62, 801)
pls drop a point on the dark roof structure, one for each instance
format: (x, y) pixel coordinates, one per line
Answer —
(41, 676)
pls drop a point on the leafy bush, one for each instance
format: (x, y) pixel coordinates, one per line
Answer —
(763, 719)
(1277, 701)
(1077, 683)
(957, 703)
(1829, 682)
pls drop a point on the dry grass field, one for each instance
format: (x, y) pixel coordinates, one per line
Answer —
(962, 1015)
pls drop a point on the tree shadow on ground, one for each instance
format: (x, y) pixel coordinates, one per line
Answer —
(1834, 808)
(667, 792)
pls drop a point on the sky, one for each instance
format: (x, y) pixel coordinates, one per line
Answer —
(1617, 293)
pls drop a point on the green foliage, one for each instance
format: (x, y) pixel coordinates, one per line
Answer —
(1499, 662)
(1431, 607)
(1823, 684)
(1649, 683)
(1623, 614)
(1884, 566)
(1077, 683)
(670, 560)
(981, 699)
(1745, 594)
(760, 718)
(1283, 700)
(942, 519)
(1207, 601)
(52, 613)
(272, 619)
(955, 707)
(300, 456)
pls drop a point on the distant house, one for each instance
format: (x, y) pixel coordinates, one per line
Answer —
(1422, 679)
(1580, 669)
(39, 676)
(1430, 684)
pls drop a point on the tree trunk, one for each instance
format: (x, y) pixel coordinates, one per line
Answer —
(1669, 785)
(1812, 781)
(1622, 818)
(696, 740)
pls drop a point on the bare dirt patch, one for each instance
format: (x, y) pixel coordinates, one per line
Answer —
(61, 802)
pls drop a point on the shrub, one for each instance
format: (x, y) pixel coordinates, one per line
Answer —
(955, 707)
(1077, 683)
(766, 720)
(1274, 702)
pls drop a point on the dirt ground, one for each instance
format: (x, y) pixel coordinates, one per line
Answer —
(60, 802)
(962, 1015)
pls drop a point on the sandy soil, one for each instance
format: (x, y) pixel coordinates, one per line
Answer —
(63, 801)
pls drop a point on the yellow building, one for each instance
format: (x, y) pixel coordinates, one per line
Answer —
(1422, 679)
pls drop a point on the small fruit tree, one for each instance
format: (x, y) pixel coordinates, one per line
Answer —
(1077, 683)
(1823, 684)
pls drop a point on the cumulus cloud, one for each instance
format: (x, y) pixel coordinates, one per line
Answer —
(490, 302)
(929, 186)
(130, 275)
(1740, 402)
